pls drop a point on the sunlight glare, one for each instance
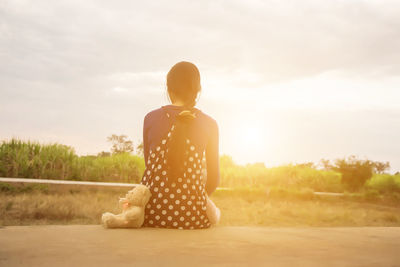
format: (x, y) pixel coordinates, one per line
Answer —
(251, 137)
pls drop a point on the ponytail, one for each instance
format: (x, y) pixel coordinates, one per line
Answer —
(183, 85)
(175, 154)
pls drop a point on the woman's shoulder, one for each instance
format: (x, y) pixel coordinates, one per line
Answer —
(155, 113)
(210, 120)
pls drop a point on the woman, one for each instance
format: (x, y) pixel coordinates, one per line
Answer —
(182, 157)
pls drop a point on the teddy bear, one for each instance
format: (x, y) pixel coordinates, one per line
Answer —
(133, 205)
(213, 212)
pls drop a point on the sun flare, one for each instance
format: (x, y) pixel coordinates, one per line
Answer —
(250, 136)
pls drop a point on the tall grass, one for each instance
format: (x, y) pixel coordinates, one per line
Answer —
(257, 175)
(34, 160)
(279, 196)
(384, 183)
(55, 161)
(124, 168)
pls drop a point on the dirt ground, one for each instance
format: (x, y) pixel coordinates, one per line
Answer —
(91, 245)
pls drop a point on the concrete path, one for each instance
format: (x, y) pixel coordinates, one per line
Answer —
(91, 245)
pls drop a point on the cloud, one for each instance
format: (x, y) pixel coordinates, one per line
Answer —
(77, 71)
(72, 40)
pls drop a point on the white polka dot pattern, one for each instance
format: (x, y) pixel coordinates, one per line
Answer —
(179, 204)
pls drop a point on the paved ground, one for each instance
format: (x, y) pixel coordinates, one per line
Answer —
(91, 245)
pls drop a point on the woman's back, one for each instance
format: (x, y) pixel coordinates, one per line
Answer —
(179, 202)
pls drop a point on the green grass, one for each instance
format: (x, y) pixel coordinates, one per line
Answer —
(295, 176)
(384, 183)
(28, 159)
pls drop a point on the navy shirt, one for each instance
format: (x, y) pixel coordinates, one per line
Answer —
(204, 134)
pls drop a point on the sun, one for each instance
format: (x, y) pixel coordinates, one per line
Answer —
(248, 142)
(250, 136)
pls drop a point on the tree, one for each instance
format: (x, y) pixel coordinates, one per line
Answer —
(381, 167)
(120, 144)
(140, 149)
(326, 164)
(355, 172)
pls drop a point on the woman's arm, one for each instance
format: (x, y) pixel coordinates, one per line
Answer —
(212, 159)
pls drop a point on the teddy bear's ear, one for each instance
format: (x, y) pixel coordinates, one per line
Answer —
(145, 192)
(133, 188)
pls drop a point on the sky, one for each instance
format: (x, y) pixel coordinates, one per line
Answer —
(287, 81)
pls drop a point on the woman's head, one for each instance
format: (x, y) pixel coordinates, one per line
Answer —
(183, 83)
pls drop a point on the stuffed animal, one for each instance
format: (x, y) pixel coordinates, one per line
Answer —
(132, 215)
(213, 212)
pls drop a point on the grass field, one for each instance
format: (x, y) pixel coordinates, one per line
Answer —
(277, 196)
(27, 205)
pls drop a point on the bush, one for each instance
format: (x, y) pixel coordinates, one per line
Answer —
(384, 183)
(354, 172)
(258, 176)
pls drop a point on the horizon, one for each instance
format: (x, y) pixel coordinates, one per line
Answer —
(283, 87)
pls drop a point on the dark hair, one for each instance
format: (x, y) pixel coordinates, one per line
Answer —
(183, 83)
